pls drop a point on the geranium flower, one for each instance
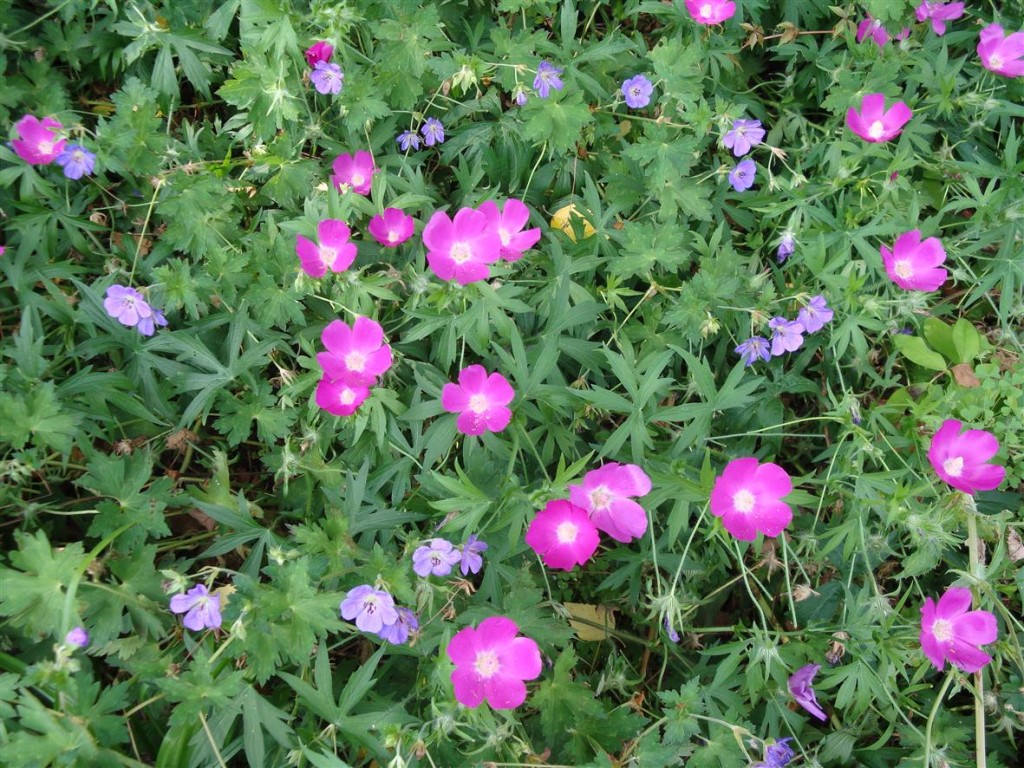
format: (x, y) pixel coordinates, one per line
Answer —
(480, 400)
(77, 637)
(399, 632)
(461, 248)
(777, 755)
(334, 251)
(317, 52)
(939, 13)
(147, 325)
(1001, 54)
(38, 142)
(408, 139)
(433, 132)
(742, 176)
(435, 558)
(472, 551)
(327, 78)
(815, 315)
(874, 122)
(128, 307)
(748, 498)
(519, 95)
(563, 535)
(546, 79)
(339, 397)
(371, 609)
(800, 688)
(509, 224)
(914, 265)
(391, 228)
(200, 606)
(711, 11)
(962, 460)
(605, 494)
(637, 91)
(354, 172)
(753, 349)
(787, 246)
(356, 355)
(77, 161)
(491, 663)
(744, 135)
(951, 632)
(787, 335)
(875, 29)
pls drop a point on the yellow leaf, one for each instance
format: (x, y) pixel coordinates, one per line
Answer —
(594, 620)
(561, 220)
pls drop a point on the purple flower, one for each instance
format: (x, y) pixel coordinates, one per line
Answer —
(787, 335)
(77, 161)
(201, 608)
(472, 562)
(147, 325)
(546, 79)
(802, 692)
(814, 316)
(742, 176)
(753, 349)
(126, 305)
(787, 245)
(398, 633)
(372, 609)
(408, 139)
(672, 634)
(744, 135)
(435, 558)
(327, 77)
(77, 637)
(433, 132)
(637, 91)
(519, 95)
(777, 755)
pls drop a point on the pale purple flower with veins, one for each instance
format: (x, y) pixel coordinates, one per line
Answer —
(371, 609)
(787, 335)
(815, 315)
(753, 349)
(472, 561)
(435, 558)
(200, 606)
(744, 135)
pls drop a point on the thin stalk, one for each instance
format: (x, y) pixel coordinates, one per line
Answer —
(979, 679)
(931, 718)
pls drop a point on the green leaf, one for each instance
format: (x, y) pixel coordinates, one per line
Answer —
(38, 418)
(33, 594)
(558, 123)
(967, 341)
(914, 349)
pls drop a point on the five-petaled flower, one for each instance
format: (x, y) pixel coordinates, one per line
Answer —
(815, 315)
(334, 251)
(327, 77)
(354, 172)
(433, 131)
(128, 307)
(371, 609)
(753, 349)
(711, 11)
(472, 559)
(356, 355)
(480, 399)
(962, 460)
(77, 161)
(742, 176)
(637, 91)
(914, 265)
(391, 228)
(408, 139)
(435, 558)
(200, 606)
(743, 136)
(509, 223)
(951, 632)
(605, 494)
(546, 79)
(399, 632)
(1000, 53)
(563, 535)
(874, 122)
(463, 247)
(939, 13)
(777, 755)
(339, 397)
(801, 689)
(491, 663)
(38, 142)
(748, 498)
(877, 31)
(787, 335)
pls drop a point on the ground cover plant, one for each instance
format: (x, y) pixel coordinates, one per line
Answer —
(398, 383)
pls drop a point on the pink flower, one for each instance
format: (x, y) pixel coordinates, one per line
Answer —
(999, 54)
(37, 142)
(605, 494)
(479, 400)
(491, 663)
(563, 535)
(710, 11)
(509, 225)
(748, 498)
(962, 459)
(951, 632)
(355, 173)
(340, 398)
(875, 29)
(356, 355)
(317, 52)
(874, 122)
(335, 252)
(391, 228)
(914, 265)
(461, 248)
(939, 13)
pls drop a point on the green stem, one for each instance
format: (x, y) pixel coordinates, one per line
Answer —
(931, 717)
(979, 680)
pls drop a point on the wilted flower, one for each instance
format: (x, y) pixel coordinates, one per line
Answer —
(962, 460)
(787, 335)
(354, 172)
(509, 223)
(200, 606)
(472, 561)
(815, 315)
(334, 251)
(519, 95)
(77, 161)
(391, 228)
(463, 247)
(743, 136)
(605, 494)
(939, 13)
(317, 52)
(914, 265)
(77, 637)
(546, 79)
(435, 558)
(800, 688)
(748, 498)
(874, 122)
(433, 132)
(480, 399)
(327, 77)
(398, 633)
(753, 349)
(563, 535)
(742, 176)
(371, 609)
(951, 632)
(408, 139)
(1003, 55)
(491, 663)
(711, 11)
(356, 355)
(38, 142)
(637, 91)
(787, 245)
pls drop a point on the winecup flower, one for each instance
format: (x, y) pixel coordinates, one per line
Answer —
(939, 13)
(38, 142)
(606, 493)
(748, 498)
(951, 632)
(354, 172)
(461, 249)
(1000, 53)
(509, 223)
(339, 397)
(563, 535)
(480, 399)
(711, 11)
(391, 228)
(914, 265)
(491, 663)
(334, 251)
(874, 122)
(356, 355)
(962, 460)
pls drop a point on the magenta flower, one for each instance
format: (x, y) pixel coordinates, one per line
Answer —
(334, 252)
(435, 558)
(491, 663)
(391, 228)
(38, 142)
(743, 136)
(742, 176)
(939, 13)
(914, 265)
(327, 78)
(815, 315)
(1001, 54)
(800, 688)
(480, 400)
(317, 52)
(637, 91)
(77, 161)
(77, 637)
(509, 225)
(875, 29)
(951, 632)
(563, 535)
(200, 606)
(371, 609)
(546, 79)
(461, 248)
(787, 335)
(339, 397)
(753, 349)
(711, 11)
(472, 551)
(354, 172)
(962, 459)
(357, 355)
(748, 498)
(399, 632)
(874, 122)
(605, 494)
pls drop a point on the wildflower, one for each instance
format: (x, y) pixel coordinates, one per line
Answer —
(398, 633)
(1001, 55)
(787, 335)
(334, 251)
(491, 663)
(519, 95)
(961, 460)
(371, 609)
(672, 634)
(742, 176)
(435, 558)
(711, 11)
(814, 316)
(939, 13)
(563, 535)
(200, 606)
(472, 550)
(744, 135)
(339, 397)
(875, 29)
(950, 632)
(748, 498)
(637, 91)
(356, 354)
(408, 139)
(327, 78)
(37, 142)
(874, 122)
(777, 755)
(77, 637)
(391, 228)
(787, 245)
(546, 79)
(480, 400)
(461, 248)
(509, 224)
(800, 688)
(318, 52)
(433, 132)
(354, 172)
(914, 265)
(128, 307)
(753, 349)
(605, 494)
(147, 325)
(77, 161)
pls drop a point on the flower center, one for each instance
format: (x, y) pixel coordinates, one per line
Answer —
(743, 500)
(78, 155)
(600, 498)
(566, 532)
(487, 664)
(370, 605)
(392, 236)
(706, 10)
(995, 61)
(942, 630)
(327, 255)
(461, 253)
(876, 129)
(903, 269)
(478, 403)
(45, 147)
(347, 397)
(954, 466)
(355, 361)
(358, 179)
(504, 235)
